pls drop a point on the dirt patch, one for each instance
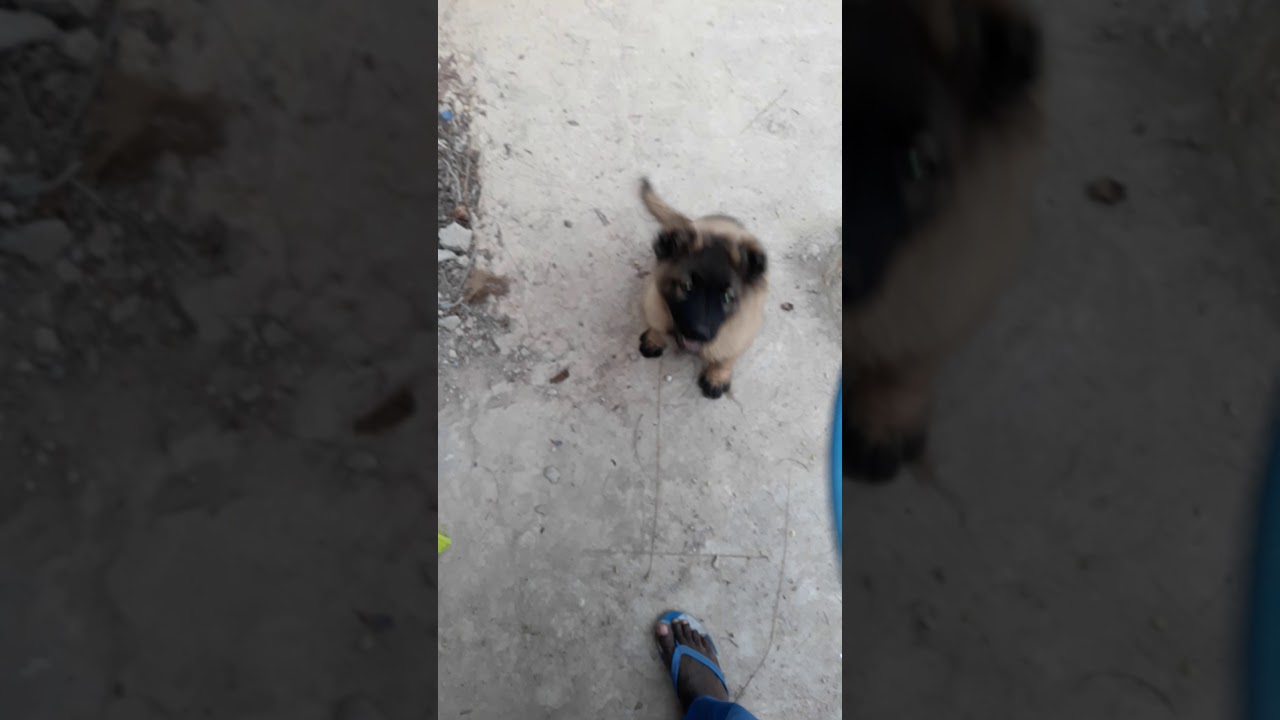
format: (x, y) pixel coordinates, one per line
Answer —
(467, 322)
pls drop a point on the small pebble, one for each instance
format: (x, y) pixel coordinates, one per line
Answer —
(455, 237)
(668, 378)
(451, 322)
(551, 474)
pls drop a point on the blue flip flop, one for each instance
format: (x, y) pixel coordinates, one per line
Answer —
(683, 651)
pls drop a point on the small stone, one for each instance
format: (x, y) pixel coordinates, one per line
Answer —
(124, 310)
(18, 29)
(667, 378)
(40, 242)
(46, 340)
(568, 223)
(80, 45)
(453, 353)
(451, 322)
(443, 255)
(456, 238)
(788, 307)
(361, 462)
(552, 475)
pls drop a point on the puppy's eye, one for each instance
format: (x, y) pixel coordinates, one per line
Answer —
(687, 286)
(727, 297)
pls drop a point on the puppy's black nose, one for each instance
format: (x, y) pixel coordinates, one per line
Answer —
(700, 333)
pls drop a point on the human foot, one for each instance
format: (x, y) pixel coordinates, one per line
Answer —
(691, 655)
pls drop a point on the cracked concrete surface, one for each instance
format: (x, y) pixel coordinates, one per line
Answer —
(1096, 442)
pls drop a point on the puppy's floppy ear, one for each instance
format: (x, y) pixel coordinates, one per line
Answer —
(668, 217)
(754, 262)
(991, 49)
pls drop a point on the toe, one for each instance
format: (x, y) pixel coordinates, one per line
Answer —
(666, 640)
(681, 630)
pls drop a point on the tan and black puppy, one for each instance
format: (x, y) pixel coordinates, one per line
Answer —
(942, 154)
(706, 292)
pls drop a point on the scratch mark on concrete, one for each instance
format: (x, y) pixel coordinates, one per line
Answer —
(777, 595)
(764, 110)
(635, 439)
(657, 473)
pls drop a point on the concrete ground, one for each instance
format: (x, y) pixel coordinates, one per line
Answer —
(1096, 442)
(582, 510)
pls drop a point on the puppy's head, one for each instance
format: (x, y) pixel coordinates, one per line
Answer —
(706, 268)
(933, 82)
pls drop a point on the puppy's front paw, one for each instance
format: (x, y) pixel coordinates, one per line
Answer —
(648, 347)
(711, 389)
(879, 459)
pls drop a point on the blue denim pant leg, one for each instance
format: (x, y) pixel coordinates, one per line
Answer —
(705, 708)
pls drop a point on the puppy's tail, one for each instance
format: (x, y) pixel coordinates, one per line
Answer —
(667, 216)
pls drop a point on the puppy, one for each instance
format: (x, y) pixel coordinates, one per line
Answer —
(943, 147)
(706, 292)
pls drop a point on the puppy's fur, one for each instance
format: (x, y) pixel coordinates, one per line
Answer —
(945, 141)
(706, 292)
